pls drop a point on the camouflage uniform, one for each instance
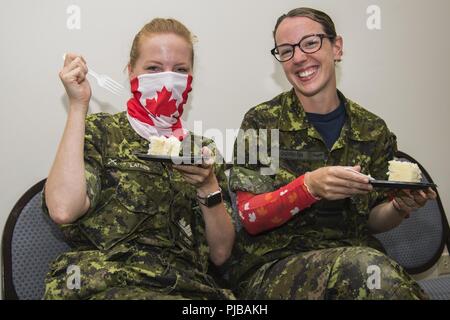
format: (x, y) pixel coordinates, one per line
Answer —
(143, 236)
(322, 252)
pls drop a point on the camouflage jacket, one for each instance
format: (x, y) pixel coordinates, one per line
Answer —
(364, 140)
(136, 201)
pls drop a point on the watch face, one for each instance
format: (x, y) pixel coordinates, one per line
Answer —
(214, 199)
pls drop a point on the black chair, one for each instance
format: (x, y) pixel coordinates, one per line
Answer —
(419, 241)
(30, 242)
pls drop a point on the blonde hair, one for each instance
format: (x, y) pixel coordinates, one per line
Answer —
(158, 26)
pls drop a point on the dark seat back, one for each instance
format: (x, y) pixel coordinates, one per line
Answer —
(30, 242)
(418, 242)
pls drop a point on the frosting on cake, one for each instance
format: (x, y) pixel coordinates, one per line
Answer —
(162, 146)
(404, 171)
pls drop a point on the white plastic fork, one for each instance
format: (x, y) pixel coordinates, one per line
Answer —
(357, 172)
(105, 81)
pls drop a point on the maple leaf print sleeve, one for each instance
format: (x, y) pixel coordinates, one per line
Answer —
(262, 204)
(262, 212)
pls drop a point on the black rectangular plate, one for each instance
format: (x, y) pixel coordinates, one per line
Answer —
(400, 185)
(168, 159)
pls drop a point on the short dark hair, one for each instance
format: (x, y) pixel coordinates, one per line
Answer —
(313, 14)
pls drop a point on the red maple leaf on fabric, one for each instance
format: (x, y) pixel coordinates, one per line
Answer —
(162, 104)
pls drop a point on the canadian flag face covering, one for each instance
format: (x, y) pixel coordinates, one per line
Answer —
(157, 104)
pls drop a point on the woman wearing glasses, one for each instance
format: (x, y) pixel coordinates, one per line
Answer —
(308, 226)
(139, 229)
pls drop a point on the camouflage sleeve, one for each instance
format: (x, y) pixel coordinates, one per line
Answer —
(93, 161)
(384, 152)
(93, 165)
(246, 173)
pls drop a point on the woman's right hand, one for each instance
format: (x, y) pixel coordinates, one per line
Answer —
(337, 182)
(73, 77)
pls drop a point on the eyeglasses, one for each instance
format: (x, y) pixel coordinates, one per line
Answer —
(308, 44)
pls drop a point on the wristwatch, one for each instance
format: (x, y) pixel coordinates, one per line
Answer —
(211, 199)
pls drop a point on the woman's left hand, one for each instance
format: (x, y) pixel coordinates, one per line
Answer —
(201, 176)
(407, 201)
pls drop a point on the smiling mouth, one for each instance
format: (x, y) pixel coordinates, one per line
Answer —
(308, 73)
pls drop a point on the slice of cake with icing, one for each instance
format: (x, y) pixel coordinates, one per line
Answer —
(404, 171)
(162, 146)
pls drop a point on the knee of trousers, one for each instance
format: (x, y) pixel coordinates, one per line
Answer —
(360, 263)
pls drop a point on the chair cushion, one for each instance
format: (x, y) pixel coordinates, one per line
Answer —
(438, 288)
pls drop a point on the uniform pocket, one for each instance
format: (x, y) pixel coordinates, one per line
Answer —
(141, 187)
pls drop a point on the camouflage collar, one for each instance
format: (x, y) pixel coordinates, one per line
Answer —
(360, 122)
(293, 117)
(125, 124)
(192, 143)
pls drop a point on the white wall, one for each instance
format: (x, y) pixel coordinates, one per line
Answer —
(400, 72)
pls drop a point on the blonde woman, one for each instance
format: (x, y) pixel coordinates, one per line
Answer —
(139, 229)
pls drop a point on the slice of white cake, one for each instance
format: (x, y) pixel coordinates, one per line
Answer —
(404, 171)
(162, 146)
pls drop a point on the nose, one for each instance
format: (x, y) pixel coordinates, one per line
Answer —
(299, 55)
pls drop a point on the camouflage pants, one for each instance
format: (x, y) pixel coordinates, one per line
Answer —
(130, 274)
(339, 273)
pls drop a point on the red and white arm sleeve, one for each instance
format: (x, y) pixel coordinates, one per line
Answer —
(266, 211)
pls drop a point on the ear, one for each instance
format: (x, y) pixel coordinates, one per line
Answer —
(338, 47)
(130, 72)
